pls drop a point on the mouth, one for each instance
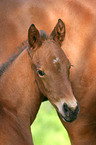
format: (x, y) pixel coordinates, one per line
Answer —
(66, 119)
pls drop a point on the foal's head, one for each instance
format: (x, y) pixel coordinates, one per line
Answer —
(51, 68)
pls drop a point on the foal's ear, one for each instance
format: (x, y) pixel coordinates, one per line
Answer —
(33, 36)
(58, 32)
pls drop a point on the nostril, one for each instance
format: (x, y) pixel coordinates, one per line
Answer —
(66, 109)
(70, 114)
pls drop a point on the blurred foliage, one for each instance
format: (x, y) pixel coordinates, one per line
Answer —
(47, 128)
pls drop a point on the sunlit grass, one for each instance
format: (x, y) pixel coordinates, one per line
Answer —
(47, 128)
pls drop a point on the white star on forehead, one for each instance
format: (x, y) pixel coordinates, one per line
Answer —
(56, 60)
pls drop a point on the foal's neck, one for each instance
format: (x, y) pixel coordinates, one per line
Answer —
(19, 90)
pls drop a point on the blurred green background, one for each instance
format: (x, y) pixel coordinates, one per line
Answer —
(47, 128)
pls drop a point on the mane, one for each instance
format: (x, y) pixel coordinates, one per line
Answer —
(10, 60)
(20, 48)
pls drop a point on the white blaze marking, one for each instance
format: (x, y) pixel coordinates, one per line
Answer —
(56, 60)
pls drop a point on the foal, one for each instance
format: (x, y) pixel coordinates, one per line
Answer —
(38, 70)
(79, 46)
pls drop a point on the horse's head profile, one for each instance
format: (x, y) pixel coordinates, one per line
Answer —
(52, 69)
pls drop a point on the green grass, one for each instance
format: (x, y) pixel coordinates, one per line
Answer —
(47, 128)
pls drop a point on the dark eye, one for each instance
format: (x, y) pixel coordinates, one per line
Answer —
(41, 73)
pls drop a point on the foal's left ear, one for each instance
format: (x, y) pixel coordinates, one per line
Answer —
(58, 32)
(33, 36)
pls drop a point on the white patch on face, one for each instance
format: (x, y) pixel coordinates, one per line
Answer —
(72, 103)
(56, 60)
(60, 107)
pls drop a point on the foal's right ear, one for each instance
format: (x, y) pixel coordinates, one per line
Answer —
(33, 36)
(58, 32)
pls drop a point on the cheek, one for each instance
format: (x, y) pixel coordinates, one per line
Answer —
(46, 83)
(48, 87)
